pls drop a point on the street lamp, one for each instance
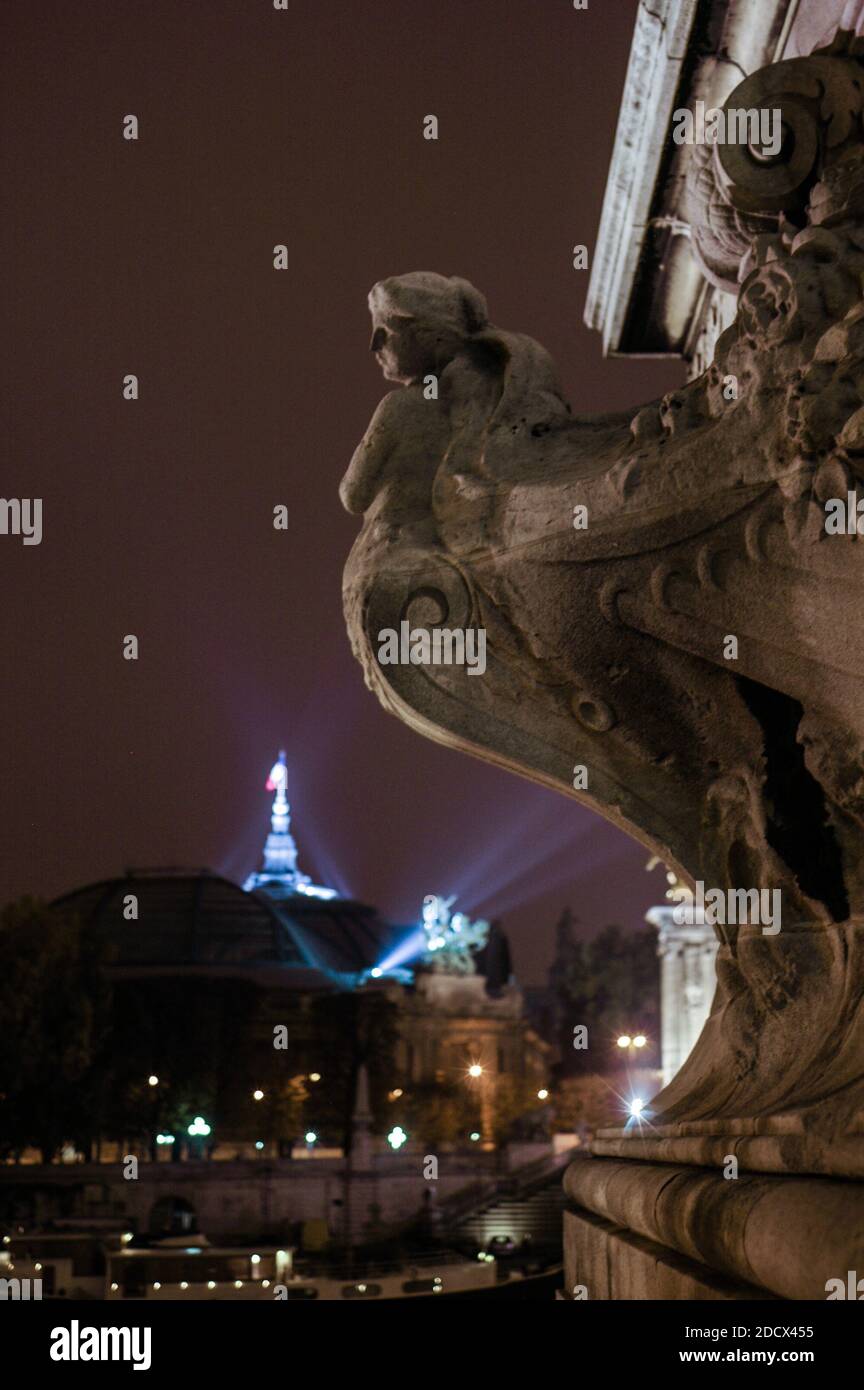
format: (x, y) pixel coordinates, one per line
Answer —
(475, 1069)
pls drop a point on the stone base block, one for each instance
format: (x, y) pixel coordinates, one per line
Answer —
(609, 1262)
(667, 1226)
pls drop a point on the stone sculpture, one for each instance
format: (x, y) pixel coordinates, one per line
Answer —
(451, 939)
(610, 560)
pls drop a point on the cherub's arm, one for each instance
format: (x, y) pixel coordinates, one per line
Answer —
(360, 483)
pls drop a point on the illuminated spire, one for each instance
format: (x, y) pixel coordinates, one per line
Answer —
(280, 851)
(279, 875)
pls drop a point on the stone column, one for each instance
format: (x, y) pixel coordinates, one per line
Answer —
(687, 983)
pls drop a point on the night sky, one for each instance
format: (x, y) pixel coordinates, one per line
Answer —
(155, 257)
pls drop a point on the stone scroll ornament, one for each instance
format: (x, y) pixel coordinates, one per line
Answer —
(607, 642)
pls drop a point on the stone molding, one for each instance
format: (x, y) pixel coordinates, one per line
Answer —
(787, 1236)
(657, 53)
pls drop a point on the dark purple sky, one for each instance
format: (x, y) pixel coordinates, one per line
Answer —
(155, 257)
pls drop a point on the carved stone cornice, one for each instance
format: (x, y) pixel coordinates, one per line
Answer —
(645, 296)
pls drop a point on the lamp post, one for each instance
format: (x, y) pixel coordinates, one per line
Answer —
(479, 1074)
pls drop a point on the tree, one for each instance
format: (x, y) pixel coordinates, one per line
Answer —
(55, 1003)
(586, 1103)
(353, 1028)
(196, 1037)
(439, 1112)
(610, 985)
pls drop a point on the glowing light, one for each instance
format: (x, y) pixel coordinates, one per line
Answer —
(543, 1095)
(412, 945)
(474, 1136)
(640, 1040)
(265, 1283)
(126, 1237)
(397, 1137)
(211, 1284)
(314, 1076)
(152, 1080)
(256, 1259)
(259, 1143)
(114, 1288)
(311, 1137)
(624, 1040)
(257, 1095)
(164, 1138)
(157, 1285)
(475, 1069)
(636, 1107)
(278, 776)
(37, 1265)
(314, 890)
(376, 973)
(238, 1283)
(198, 1126)
(280, 851)
(183, 1284)
(394, 1095)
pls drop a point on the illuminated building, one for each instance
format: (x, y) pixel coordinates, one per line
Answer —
(448, 980)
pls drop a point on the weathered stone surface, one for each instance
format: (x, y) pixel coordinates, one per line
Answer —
(607, 646)
(788, 1236)
(607, 1261)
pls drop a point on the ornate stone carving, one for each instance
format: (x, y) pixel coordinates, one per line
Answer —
(607, 644)
(736, 194)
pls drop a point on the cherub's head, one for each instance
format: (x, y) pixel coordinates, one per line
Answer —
(420, 321)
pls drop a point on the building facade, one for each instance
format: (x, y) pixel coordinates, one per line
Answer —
(687, 952)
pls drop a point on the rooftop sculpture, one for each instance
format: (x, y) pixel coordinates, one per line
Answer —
(451, 940)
